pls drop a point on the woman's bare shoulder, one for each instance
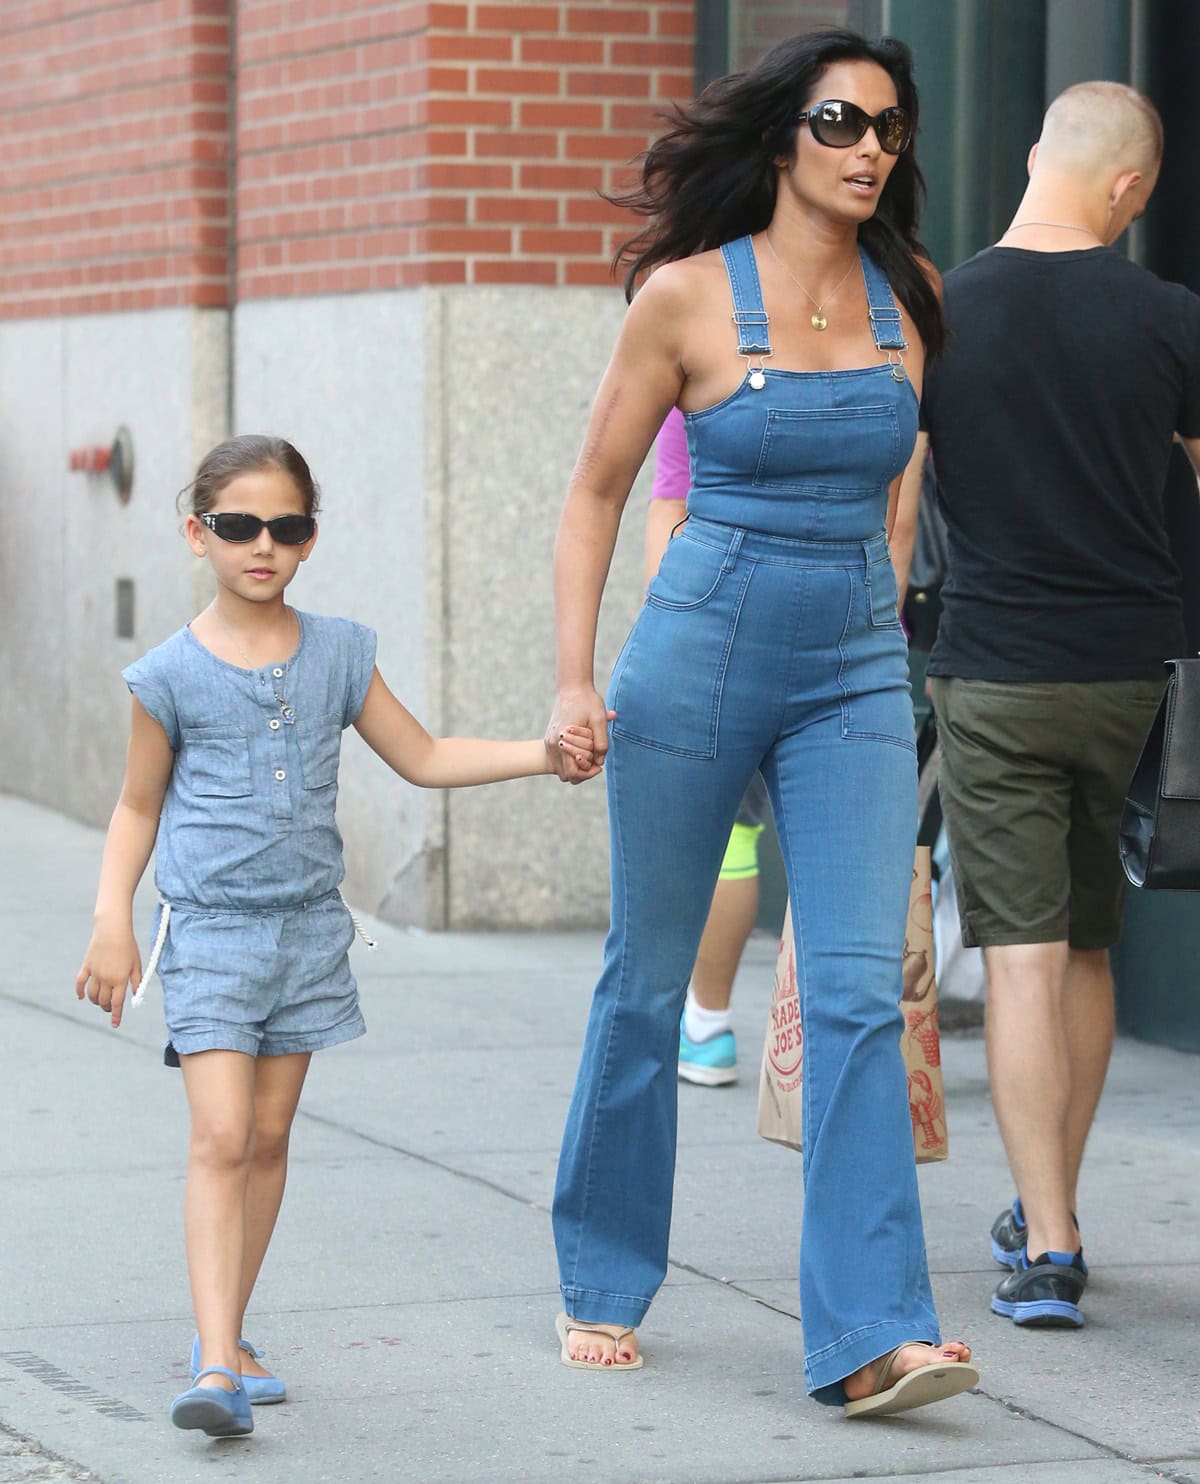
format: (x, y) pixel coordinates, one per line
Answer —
(675, 290)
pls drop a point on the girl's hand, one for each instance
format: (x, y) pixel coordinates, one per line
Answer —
(577, 736)
(577, 743)
(110, 965)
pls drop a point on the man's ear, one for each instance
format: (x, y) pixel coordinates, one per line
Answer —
(1122, 184)
(1032, 160)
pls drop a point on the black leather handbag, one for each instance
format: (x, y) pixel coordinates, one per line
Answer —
(1160, 824)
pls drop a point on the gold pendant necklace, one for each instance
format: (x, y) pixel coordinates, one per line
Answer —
(817, 319)
(278, 692)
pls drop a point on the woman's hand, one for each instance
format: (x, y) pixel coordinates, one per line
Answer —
(581, 709)
(110, 965)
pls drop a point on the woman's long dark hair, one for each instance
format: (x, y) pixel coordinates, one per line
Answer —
(711, 177)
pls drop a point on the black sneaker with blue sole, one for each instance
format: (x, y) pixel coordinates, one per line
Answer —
(1045, 1293)
(1008, 1235)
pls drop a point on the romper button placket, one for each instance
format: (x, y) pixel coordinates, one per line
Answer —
(277, 672)
(280, 774)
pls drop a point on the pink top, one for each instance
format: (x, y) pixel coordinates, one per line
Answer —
(673, 465)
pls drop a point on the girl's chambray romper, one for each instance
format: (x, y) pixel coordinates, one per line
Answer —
(248, 855)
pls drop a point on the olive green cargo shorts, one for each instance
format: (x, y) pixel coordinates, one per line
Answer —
(1032, 778)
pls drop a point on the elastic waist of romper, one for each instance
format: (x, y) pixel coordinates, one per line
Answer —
(209, 909)
(760, 546)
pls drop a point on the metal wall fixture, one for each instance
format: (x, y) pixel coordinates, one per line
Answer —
(116, 461)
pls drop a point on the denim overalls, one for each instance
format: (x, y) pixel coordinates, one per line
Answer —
(768, 640)
(252, 932)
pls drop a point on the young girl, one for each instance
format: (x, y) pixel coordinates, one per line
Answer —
(231, 778)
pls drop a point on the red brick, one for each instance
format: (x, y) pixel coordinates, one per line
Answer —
(676, 84)
(651, 54)
(542, 209)
(517, 18)
(466, 240)
(583, 274)
(596, 211)
(675, 22)
(475, 113)
(514, 80)
(560, 178)
(608, 84)
(469, 48)
(561, 241)
(513, 270)
(622, 22)
(540, 115)
(604, 146)
(562, 51)
(637, 118)
(509, 145)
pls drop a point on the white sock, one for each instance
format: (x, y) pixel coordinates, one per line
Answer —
(701, 1024)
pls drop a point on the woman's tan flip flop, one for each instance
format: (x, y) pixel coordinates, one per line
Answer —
(928, 1383)
(563, 1325)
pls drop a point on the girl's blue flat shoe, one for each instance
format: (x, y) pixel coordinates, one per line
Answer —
(212, 1409)
(263, 1391)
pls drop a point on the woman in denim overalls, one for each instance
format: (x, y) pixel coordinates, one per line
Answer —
(782, 213)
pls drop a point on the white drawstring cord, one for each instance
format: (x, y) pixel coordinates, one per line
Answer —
(358, 927)
(152, 962)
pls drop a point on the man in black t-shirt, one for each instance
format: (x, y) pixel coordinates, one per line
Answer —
(1051, 417)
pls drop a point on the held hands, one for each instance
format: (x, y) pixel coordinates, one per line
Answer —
(577, 736)
(110, 966)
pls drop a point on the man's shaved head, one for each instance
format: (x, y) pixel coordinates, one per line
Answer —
(1102, 127)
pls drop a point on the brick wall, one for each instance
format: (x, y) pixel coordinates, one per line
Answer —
(376, 143)
(390, 144)
(114, 155)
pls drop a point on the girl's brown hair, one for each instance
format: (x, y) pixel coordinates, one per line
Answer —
(248, 454)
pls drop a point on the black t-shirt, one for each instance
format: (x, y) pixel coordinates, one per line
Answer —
(1051, 417)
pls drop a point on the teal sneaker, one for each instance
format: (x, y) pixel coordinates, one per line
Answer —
(711, 1063)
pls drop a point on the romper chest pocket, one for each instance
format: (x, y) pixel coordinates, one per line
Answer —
(214, 762)
(844, 452)
(320, 748)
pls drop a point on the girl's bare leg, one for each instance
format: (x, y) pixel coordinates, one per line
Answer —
(278, 1081)
(220, 1091)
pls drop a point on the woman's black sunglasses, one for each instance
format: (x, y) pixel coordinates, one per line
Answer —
(840, 124)
(288, 530)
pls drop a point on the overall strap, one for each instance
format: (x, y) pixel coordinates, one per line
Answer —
(754, 338)
(881, 306)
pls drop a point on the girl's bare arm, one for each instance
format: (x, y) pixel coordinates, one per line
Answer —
(392, 731)
(112, 962)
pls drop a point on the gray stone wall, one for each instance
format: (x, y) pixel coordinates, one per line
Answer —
(65, 538)
(442, 425)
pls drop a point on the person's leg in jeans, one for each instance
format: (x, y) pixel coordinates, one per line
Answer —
(846, 815)
(669, 820)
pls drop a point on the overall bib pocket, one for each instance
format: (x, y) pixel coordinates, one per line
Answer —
(214, 762)
(841, 452)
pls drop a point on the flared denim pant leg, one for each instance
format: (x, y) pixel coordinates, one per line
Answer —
(612, 1205)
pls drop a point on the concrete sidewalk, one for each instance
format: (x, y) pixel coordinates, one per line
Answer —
(409, 1296)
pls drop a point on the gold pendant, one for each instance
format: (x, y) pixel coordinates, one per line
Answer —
(819, 321)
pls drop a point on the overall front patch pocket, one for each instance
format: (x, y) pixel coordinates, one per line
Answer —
(847, 452)
(214, 762)
(320, 748)
(667, 684)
